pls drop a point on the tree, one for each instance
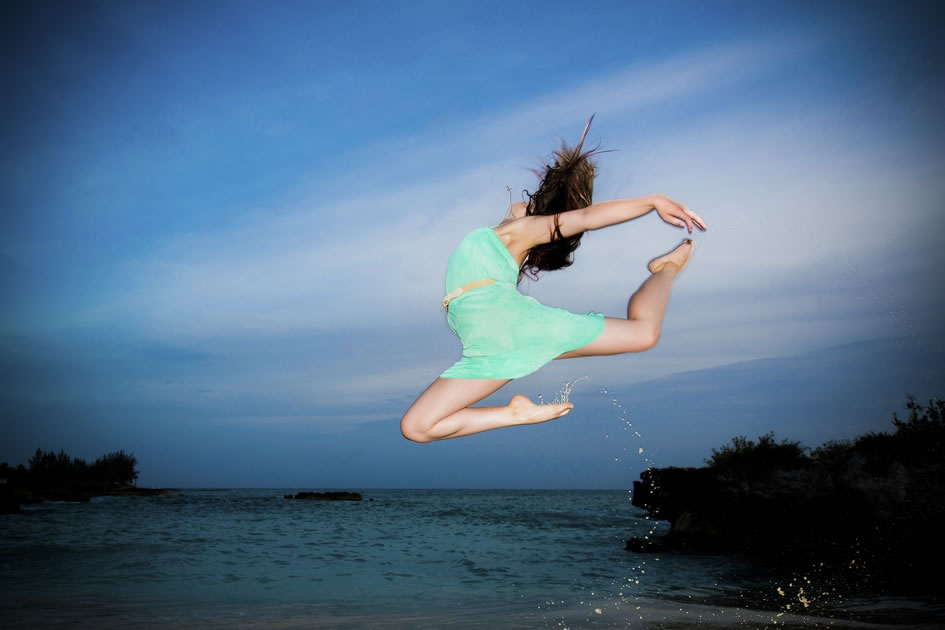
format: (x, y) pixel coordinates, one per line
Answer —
(747, 458)
(117, 467)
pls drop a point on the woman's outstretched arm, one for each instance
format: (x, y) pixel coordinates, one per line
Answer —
(606, 213)
(538, 229)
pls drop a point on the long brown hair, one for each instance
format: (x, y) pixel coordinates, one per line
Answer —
(566, 184)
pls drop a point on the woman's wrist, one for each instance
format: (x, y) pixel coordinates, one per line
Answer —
(641, 205)
(652, 200)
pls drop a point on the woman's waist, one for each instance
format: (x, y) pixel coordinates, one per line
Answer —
(463, 290)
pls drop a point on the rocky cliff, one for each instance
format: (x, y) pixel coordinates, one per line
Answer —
(873, 507)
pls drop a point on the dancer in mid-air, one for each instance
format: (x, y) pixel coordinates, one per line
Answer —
(506, 334)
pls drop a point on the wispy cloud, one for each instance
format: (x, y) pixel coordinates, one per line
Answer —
(312, 266)
(788, 196)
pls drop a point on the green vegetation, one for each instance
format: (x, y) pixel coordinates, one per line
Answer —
(918, 439)
(48, 469)
(750, 458)
(54, 476)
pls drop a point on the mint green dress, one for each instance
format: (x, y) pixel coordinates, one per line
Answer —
(505, 334)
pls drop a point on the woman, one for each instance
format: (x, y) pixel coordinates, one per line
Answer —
(506, 334)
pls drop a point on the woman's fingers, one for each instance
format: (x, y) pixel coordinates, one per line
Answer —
(695, 217)
(682, 213)
(678, 219)
(679, 214)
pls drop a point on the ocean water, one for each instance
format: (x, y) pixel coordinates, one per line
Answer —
(398, 559)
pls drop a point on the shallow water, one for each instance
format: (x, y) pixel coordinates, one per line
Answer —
(409, 558)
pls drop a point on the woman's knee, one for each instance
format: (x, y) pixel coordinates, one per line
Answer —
(639, 335)
(414, 430)
(650, 336)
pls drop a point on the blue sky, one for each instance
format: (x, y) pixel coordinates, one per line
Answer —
(225, 228)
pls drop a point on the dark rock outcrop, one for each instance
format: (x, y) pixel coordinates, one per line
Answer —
(8, 501)
(135, 491)
(325, 496)
(876, 505)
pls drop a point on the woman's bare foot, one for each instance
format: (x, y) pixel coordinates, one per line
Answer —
(528, 412)
(679, 257)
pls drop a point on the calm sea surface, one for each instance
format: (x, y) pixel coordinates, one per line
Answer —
(407, 558)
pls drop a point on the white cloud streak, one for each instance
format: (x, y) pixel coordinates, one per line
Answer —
(783, 193)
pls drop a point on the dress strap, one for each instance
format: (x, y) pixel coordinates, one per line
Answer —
(458, 291)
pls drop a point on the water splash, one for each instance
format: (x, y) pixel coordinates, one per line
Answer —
(630, 584)
(565, 392)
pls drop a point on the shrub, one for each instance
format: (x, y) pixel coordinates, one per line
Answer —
(747, 458)
(48, 469)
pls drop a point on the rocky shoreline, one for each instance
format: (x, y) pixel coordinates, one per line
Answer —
(325, 496)
(870, 511)
(12, 497)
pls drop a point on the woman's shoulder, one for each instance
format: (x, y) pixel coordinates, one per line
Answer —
(508, 230)
(514, 234)
(526, 231)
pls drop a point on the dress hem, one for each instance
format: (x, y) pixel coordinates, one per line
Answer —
(519, 373)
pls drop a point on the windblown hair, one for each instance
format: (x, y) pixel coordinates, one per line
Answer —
(566, 184)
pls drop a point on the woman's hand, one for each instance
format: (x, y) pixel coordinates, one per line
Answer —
(676, 213)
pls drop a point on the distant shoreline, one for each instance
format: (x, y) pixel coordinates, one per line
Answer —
(13, 496)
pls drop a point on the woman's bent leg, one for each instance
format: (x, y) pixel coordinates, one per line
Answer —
(645, 311)
(442, 411)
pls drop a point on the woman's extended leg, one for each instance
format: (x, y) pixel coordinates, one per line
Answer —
(442, 411)
(641, 330)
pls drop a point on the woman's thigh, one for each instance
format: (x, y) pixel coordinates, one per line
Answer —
(448, 395)
(619, 336)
